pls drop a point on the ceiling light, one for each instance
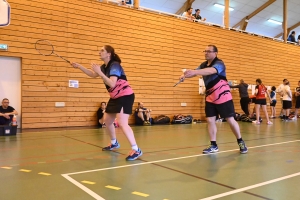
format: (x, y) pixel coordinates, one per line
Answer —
(221, 6)
(274, 21)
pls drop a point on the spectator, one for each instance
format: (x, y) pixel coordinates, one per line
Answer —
(273, 102)
(126, 2)
(260, 101)
(100, 114)
(197, 15)
(243, 90)
(279, 91)
(297, 94)
(6, 112)
(298, 39)
(142, 115)
(286, 101)
(188, 14)
(291, 37)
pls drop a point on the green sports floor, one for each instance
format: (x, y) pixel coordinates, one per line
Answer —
(68, 163)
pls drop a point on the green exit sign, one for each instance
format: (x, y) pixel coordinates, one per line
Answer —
(3, 46)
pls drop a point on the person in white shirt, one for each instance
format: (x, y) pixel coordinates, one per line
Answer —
(188, 14)
(279, 91)
(286, 101)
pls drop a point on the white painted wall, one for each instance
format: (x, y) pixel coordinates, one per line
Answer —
(10, 83)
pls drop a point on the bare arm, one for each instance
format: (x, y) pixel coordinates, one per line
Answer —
(88, 72)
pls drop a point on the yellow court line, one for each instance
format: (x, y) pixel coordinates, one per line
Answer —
(45, 174)
(88, 182)
(113, 187)
(25, 170)
(6, 167)
(141, 194)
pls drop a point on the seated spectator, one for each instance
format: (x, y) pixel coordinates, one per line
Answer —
(188, 14)
(126, 2)
(298, 39)
(291, 37)
(197, 15)
(100, 114)
(142, 115)
(6, 112)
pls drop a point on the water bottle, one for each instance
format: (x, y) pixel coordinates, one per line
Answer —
(14, 120)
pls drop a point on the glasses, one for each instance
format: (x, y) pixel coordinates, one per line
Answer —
(5, 102)
(208, 51)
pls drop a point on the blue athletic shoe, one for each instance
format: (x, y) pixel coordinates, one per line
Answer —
(211, 149)
(243, 148)
(133, 155)
(111, 147)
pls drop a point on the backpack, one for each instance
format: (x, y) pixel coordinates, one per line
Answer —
(181, 119)
(161, 119)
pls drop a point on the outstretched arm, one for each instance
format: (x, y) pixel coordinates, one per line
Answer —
(88, 72)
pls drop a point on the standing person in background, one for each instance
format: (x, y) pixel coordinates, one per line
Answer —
(297, 94)
(286, 101)
(244, 101)
(279, 91)
(260, 101)
(197, 15)
(273, 102)
(121, 98)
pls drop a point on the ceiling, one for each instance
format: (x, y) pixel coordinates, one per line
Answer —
(242, 8)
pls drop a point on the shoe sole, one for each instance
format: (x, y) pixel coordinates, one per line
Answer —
(111, 148)
(243, 152)
(210, 152)
(135, 157)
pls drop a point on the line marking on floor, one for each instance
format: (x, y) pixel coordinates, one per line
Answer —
(141, 194)
(25, 170)
(44, 174)
(88, 182)
(97, 197)
(6, 167)
(251, 187)
(113, 187)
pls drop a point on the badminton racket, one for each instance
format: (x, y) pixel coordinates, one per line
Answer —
(45, 48)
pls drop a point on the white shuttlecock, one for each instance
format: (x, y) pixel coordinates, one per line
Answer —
(183, 70)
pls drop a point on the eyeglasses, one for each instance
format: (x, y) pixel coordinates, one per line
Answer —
(5, 102)
(208, 51)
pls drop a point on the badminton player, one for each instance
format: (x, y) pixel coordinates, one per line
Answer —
(218, 99)
(121, 98)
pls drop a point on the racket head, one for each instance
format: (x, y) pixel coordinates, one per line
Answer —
(44, 47)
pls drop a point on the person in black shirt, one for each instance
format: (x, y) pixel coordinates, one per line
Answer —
(243, 90)
(297, 94)
(142, 115)
(6, 112)
(100, 114)
(197, 15)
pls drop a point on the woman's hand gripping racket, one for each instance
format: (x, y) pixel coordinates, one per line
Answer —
(45, 48)
(181, 79)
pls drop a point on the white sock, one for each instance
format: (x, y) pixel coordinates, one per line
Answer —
(113, 141)
(135, 147)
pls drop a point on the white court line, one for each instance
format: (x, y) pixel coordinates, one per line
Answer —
(96, 196)
(251, 187)
(87, 190)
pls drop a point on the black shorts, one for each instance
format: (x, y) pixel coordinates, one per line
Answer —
(297, 104)
(125, 102)
(286, 104)
(273, 103)
(261, 102)
(225, 110)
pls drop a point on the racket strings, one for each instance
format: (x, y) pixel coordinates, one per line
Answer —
(44, 47)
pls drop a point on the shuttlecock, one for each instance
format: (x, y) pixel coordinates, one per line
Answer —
(183, 70)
